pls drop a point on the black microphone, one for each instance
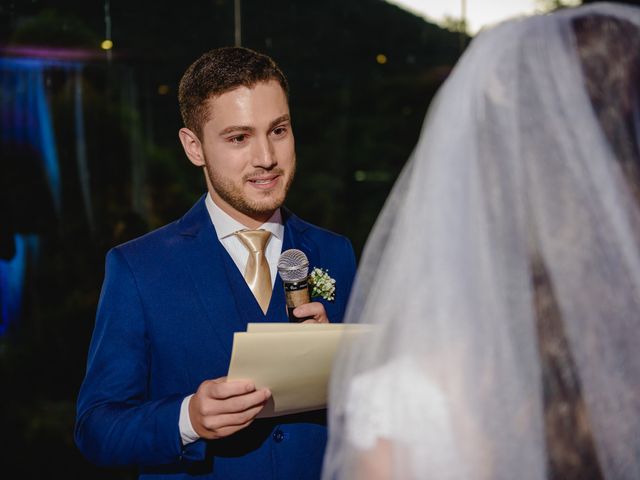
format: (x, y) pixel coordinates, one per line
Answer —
(293, 268)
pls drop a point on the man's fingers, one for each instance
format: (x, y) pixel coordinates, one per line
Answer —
(234, 404)
(305, 310)
(226, 424)
(315, 310)
(220, 389)
(226, 431)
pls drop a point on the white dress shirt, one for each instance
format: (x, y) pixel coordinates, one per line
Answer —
(225, 228)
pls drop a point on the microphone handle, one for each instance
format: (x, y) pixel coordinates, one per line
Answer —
(296, 294)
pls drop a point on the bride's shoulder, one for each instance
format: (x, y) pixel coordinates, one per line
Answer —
(403, 374)
(383, 399)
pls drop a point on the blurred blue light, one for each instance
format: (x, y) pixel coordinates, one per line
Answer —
(25, 119)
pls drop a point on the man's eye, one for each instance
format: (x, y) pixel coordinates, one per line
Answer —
(238, 139)
(278, 131)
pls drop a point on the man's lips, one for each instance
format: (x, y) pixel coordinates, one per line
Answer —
(264, 181)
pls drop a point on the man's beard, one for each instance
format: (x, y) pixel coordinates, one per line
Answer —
(234, 195)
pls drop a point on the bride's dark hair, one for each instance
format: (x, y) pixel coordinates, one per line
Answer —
(609, 52)
(571, 453)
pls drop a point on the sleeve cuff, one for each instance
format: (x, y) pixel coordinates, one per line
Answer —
(187, 433)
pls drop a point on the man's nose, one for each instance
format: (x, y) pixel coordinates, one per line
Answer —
(264, 155)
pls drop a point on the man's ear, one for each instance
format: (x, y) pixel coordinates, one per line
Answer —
(192, 146)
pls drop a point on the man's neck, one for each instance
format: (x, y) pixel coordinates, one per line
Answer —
(251, 222)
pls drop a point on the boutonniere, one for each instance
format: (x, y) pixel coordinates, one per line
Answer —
(322, 285)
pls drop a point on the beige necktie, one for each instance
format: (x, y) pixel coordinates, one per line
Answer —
(257, 273)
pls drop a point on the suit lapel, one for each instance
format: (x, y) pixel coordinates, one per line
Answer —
(295, 236)
(205, 260)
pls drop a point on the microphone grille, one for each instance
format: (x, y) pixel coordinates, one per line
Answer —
(293, 265)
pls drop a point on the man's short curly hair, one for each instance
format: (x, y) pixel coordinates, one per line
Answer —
(218, 71)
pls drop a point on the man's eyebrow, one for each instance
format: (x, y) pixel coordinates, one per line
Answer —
(235, 128)
(245, 128)
(280, 119)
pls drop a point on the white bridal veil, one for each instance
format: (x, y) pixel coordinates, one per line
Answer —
(517, 204)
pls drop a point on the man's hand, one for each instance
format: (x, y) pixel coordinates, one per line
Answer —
(314, 310)
(220, 408)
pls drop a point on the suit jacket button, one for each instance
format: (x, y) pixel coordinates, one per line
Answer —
(278, 436)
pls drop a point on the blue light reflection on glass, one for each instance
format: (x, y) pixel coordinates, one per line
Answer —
(25, 119)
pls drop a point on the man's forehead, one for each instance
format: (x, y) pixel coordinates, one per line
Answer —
(258, 108)
(257, 101)
(272, 83)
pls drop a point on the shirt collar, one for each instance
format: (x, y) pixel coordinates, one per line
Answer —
(226, 226)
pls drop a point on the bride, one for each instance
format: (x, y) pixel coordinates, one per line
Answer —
(503, 274)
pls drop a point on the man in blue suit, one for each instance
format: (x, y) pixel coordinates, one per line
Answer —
(154, 394)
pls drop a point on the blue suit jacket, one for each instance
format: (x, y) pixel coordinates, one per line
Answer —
(170, 303)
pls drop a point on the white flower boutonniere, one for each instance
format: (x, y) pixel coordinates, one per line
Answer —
(322, 285)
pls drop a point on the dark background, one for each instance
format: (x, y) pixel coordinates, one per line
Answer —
(356, 121)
